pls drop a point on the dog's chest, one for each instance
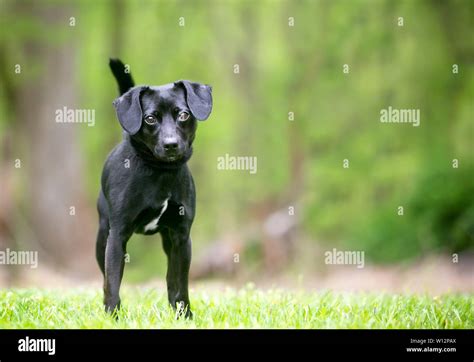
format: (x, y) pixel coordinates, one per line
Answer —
(151, 218)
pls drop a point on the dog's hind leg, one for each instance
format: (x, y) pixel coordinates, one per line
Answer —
(103, 232)
(101, 243)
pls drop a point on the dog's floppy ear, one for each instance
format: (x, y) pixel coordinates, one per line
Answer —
(199, 99)
(129, 110)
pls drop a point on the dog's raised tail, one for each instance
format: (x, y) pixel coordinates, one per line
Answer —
(122, 75)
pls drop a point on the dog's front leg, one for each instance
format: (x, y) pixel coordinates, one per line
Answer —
(114, 265)
(178, 249)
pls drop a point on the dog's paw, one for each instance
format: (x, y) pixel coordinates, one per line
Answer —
(182, 309)
(112, 308)
(189, 314)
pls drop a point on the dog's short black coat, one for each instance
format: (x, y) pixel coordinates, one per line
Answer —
(147, 187)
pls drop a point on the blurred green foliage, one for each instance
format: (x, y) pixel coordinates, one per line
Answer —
(297, 69)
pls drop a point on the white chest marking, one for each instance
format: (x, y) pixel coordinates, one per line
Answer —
(152, 225)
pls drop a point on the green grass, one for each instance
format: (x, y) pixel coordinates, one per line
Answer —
(245, 308)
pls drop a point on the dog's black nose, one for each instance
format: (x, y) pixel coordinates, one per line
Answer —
(171, 146)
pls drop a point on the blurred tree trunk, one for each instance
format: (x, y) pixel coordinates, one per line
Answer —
(58, 212)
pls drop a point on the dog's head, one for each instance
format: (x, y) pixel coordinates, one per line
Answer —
(163, 118)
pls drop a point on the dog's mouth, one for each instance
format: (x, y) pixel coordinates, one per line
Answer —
(166, 156)
(169, 157)
(172, 158)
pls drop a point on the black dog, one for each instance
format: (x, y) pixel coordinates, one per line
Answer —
(146, 184)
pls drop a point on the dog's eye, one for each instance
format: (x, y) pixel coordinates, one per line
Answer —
(150, 120)
(183, 116)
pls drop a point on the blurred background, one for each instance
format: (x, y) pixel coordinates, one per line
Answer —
(280, 94)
